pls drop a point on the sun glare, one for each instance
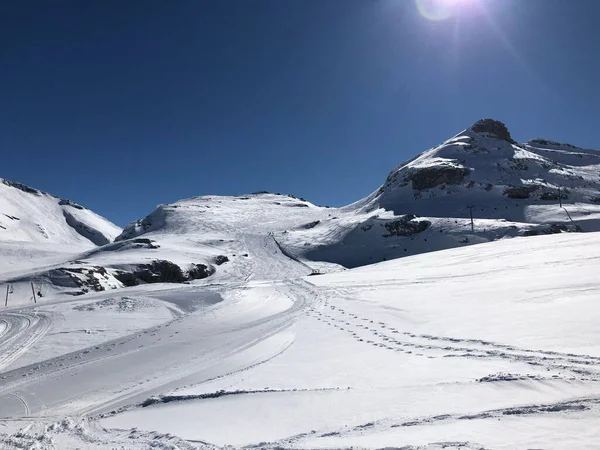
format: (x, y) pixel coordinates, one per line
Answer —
(437, 10)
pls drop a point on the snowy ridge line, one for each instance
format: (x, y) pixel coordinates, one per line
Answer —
(566, 407)
(161, 399)
(32, 216)
(571, 406)
(289, 255)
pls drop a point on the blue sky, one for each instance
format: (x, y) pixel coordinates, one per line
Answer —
(121, 106)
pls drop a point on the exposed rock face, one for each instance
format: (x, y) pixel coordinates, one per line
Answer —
(555, 228)
(406, 226)
(546, 142)
(127, 278)
(67, 202)
(136, 243)
(430, 177)
(161, 271)
(221, 259)
(549, 196)
(493, 127)
(595, 200)
(519, 192)
(21, 187)
(199, 271)
(84, 278)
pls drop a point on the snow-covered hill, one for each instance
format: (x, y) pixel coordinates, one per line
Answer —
(511, 190)
(30, 215)
(224, 238)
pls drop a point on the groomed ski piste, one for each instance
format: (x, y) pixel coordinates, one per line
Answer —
(488, 346)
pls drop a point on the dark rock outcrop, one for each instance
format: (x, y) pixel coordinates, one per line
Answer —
(549, 196)
(21, 187)
(221, 259)
(406, 226)
(199, 271)
(554, 228)
(73, 277)
(67, 202)
(430, 177)
(161, 271)
(519, 192)
(493, 127)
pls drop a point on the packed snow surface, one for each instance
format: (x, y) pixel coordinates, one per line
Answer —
(490, 346)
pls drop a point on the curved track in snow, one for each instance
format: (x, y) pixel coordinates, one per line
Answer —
(188, 350)
(19, 331)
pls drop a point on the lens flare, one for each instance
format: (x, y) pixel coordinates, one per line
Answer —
(438, 10)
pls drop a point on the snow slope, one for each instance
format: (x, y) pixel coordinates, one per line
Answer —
(456, 349)
(29, 215)
(199, 240)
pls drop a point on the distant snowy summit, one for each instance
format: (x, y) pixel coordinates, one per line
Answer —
(482, 169)
(31, 215)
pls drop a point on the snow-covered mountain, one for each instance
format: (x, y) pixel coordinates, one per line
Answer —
(30, 215)
(484, 168)
(425, 204)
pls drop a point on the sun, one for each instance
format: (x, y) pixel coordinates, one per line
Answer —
(438, 10)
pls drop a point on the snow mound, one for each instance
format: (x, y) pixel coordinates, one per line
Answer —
(30, 215)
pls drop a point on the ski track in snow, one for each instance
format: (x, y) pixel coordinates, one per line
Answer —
(21, 329)
(80, 364)
(20, 332)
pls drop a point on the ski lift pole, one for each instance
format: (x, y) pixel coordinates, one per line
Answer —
(33, 292)
(6, 301)
(560, 197)
(471, 213)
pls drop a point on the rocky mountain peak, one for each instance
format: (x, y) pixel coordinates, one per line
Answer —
(492, 127)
